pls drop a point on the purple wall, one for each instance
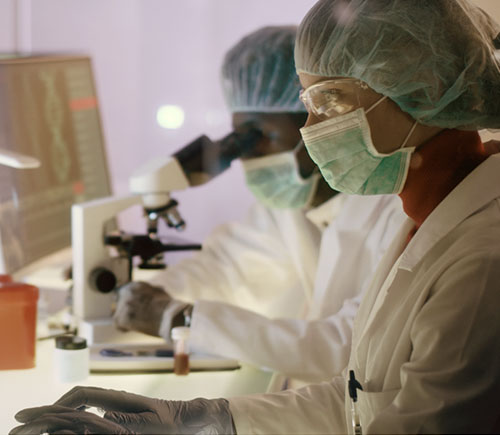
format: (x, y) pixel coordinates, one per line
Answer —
(153, 52)
(147, 53)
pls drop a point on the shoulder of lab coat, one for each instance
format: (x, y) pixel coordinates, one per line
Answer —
(426, 337)
(355, 240)
(318, 348)
(265, 262)
(323, 215)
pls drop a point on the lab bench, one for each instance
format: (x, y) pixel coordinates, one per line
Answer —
(39, 386)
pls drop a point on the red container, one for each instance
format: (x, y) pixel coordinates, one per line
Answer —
(5, 278)
(18, 303)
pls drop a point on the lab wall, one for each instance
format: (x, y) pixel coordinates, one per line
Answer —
(7, 25)
(149, 53)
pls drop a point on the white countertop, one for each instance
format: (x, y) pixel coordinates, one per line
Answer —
(39, 386)
(21, 389)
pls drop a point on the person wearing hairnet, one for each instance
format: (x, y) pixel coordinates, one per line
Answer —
(396, 91)
(285, 274)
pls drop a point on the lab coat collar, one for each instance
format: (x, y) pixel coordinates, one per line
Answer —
(324, 214)
(437, 167)
(479, 188)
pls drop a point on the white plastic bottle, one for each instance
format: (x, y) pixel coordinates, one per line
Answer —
(71, 359)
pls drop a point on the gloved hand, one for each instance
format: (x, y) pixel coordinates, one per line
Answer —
(148, 309)
(126, 413)
(62, 420)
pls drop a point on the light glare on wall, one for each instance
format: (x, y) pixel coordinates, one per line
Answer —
(170, 117)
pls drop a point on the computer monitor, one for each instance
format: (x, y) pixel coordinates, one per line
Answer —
(48, 110)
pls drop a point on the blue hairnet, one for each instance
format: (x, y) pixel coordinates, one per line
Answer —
(258, 73)
(435, 58)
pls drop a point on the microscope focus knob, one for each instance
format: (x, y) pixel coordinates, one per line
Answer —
(103, 280)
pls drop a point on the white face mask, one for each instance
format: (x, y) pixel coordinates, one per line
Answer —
(344, 152)
(276, 182)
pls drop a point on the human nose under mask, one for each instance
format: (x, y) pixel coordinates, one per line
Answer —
(343, 150)
(276, 182)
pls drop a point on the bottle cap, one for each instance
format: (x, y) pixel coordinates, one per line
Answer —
(70, 342)
(180, 333)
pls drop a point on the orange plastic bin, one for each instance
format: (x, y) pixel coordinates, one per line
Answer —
(5, 278)
(18, 306)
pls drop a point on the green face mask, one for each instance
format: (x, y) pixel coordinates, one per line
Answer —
(276, 182)
(344, 152)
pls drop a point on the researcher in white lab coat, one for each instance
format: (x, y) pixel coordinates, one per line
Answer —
(413, 82)
(279, 289)
(410, 83)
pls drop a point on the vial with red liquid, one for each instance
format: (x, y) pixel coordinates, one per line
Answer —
(180, 337)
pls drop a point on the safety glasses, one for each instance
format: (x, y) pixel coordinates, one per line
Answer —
(330, 98)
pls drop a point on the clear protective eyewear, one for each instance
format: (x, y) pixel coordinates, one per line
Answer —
(330, 98)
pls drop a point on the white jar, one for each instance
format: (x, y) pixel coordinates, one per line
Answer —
(71, 359)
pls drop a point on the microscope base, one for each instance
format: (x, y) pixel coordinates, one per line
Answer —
(99, 331)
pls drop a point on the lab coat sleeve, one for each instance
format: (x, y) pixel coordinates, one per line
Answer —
(312, 351)
(451, 383)
(245, 263)
(315, 409)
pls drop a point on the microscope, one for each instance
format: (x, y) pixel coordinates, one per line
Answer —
(103, 256)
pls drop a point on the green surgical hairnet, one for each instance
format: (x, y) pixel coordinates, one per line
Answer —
(435, 58)
(258, 73)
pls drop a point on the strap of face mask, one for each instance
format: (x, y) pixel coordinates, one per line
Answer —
(299, 145)
(376, 104)
(412, 129)
(295, 151)
(407, 138)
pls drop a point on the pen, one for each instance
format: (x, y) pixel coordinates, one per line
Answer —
(169, 353)
(353, 386)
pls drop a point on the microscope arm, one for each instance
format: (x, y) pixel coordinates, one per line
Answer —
(156, 179)
(153, 182)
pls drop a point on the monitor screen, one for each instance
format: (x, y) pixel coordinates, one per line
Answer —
(48, 110)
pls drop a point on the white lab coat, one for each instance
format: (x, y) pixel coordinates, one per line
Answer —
(351, 246)
(265, 263)
(426, 340)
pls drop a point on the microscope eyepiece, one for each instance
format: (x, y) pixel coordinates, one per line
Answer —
(203, 159)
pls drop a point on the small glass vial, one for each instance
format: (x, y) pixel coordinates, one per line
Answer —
(71, 358)
(180, 336)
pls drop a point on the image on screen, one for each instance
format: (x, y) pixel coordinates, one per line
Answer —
(49, 110)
